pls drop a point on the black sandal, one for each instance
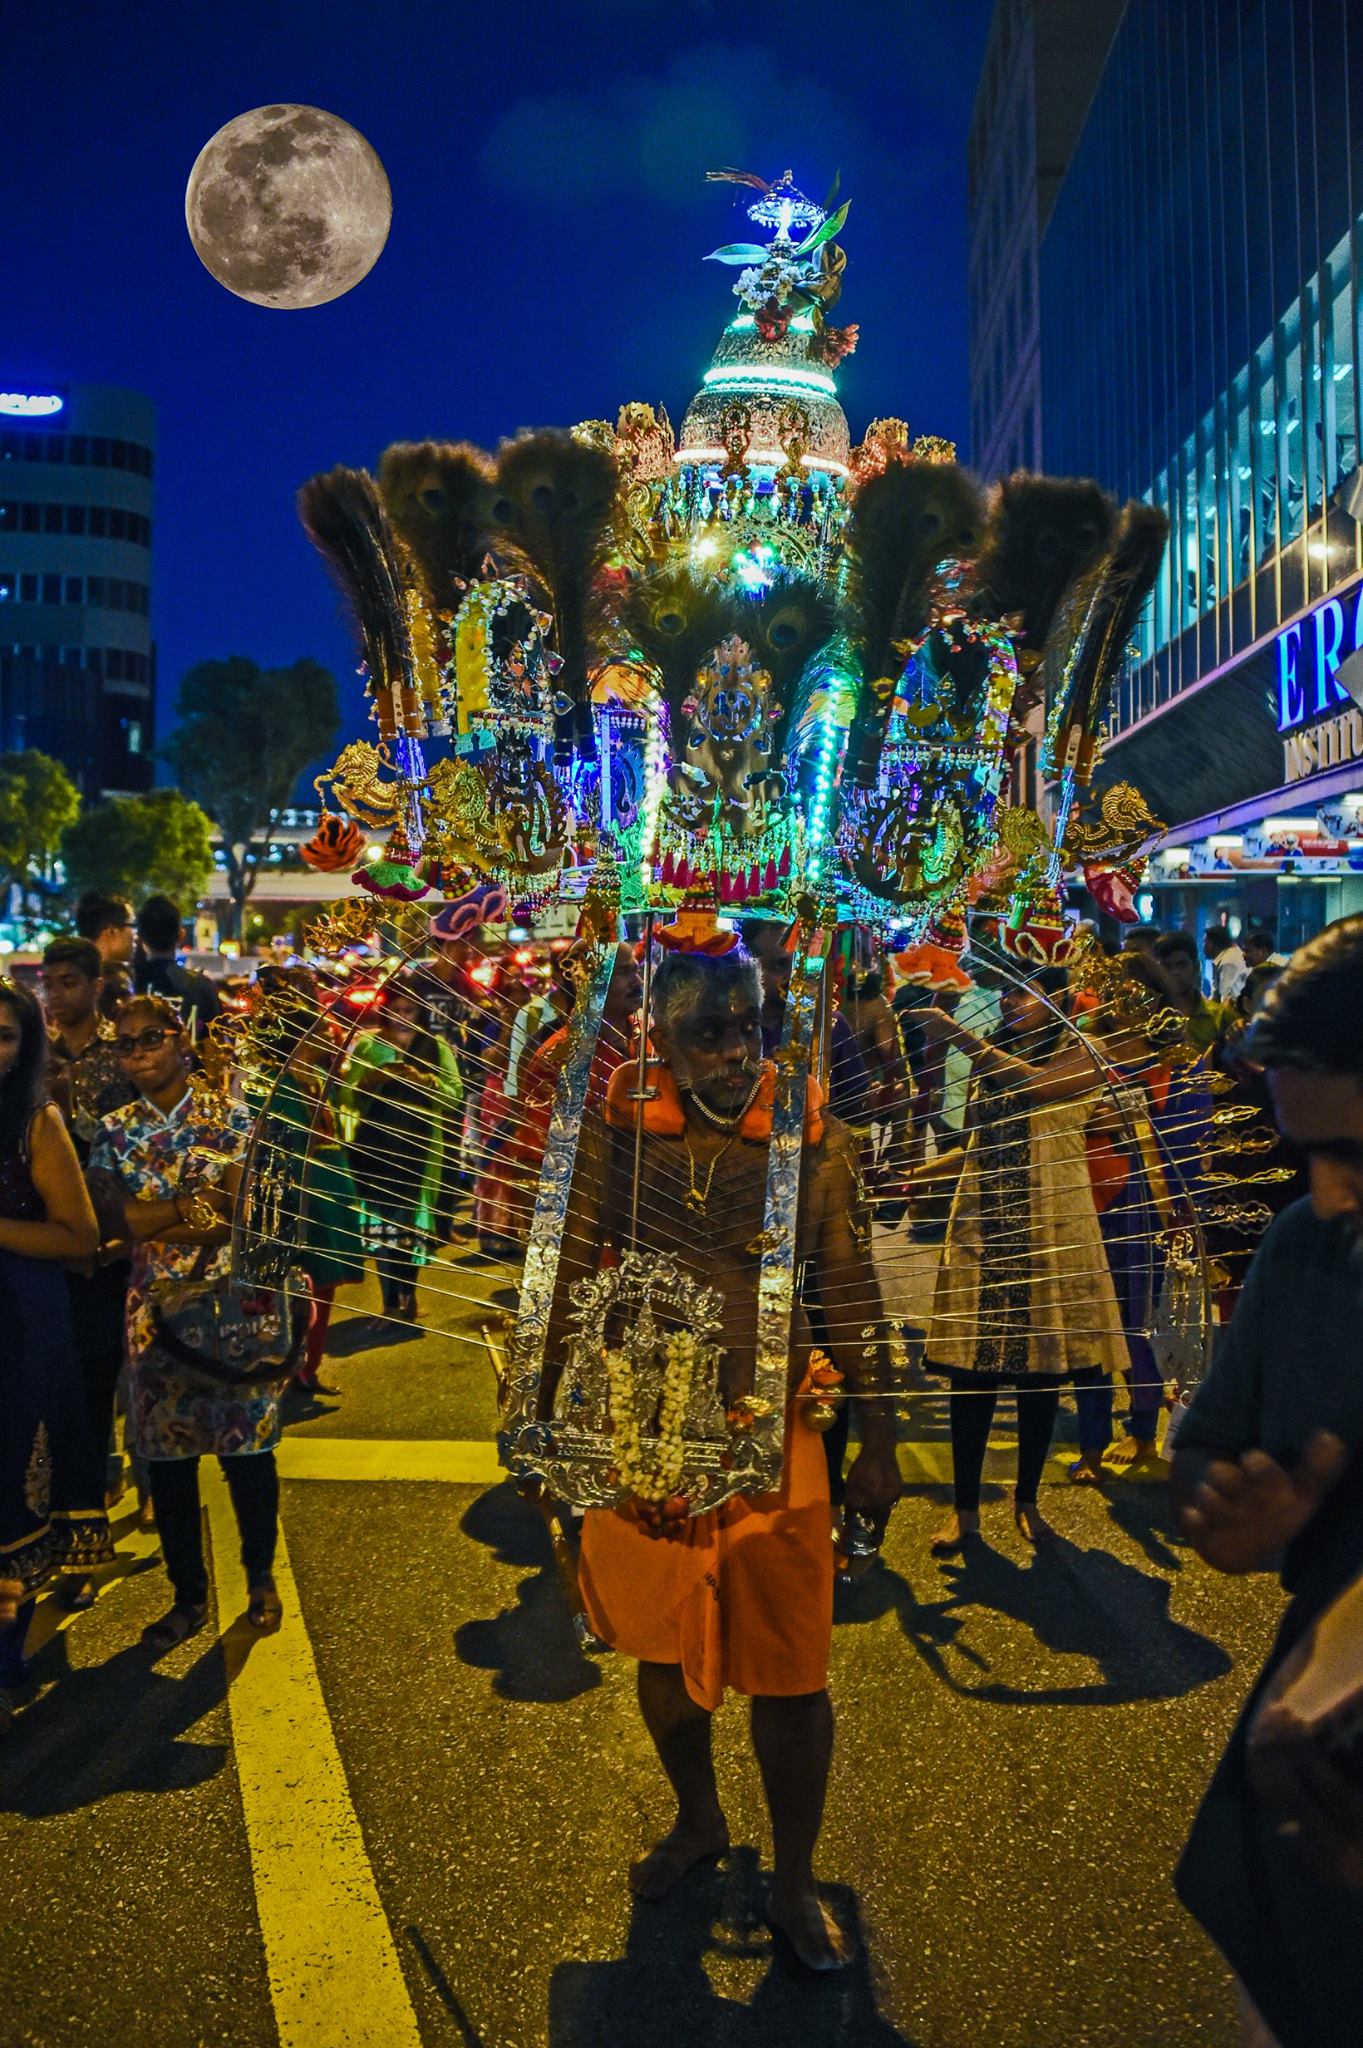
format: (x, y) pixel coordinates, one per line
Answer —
(265, 1610)
(177, 1626)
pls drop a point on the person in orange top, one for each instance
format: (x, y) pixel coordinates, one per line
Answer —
(741, 1596)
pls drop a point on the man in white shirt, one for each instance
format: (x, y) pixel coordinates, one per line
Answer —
(1229, 968)
(531, 1020)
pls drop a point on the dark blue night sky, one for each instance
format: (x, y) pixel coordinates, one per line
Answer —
(544, 265)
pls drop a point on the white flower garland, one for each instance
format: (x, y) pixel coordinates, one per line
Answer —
(656, 1474)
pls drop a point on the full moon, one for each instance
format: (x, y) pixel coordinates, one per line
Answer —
(288, 206)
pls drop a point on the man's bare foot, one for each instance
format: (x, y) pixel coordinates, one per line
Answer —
(810, 1931)
(1136, 1454)
(668, 1861)
(1033, 1523)
(1087, 1469)
(963, 1522)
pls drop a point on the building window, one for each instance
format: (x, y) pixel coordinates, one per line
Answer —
(1341, 415)
(28, 588)
(52, 589)
(55, 448)
(52, 518)
(78, 448)
(9, 585)
(99, 521)
(1265, 441)
(72, 592)
(1238, 481)
(75, 518)
(99, 451)
(133, 729)
(29, 518)
(1206, 514)
(1312, 400)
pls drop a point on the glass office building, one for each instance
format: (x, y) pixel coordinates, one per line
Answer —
(1200, 335)
(77, 659)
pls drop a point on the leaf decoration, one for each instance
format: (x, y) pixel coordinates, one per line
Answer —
(737, 178)
(831, 227)
(738, 252)
(831, 200)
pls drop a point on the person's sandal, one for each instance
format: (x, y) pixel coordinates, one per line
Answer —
(175, 1627)
(76, 1596)
(265, 1610)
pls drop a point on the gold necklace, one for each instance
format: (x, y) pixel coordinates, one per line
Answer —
(725, 1123)
(697, 1199)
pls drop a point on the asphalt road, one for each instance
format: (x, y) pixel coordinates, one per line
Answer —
(407, 1818)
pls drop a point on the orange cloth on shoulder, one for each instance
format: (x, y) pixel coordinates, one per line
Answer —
(741, 1597)
(665, 1114)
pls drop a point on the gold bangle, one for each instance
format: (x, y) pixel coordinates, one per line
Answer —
(200, 1214)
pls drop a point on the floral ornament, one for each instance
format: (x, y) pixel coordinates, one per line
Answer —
(773, 320)
(652, 1476)
(832, 344)
(786, 270)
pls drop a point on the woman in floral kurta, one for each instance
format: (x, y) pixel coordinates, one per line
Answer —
(154, 1155)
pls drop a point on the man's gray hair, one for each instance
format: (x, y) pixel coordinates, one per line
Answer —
(682, 980)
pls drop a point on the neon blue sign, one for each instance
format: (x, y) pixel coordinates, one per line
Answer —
(1309, 653)
(30, 405)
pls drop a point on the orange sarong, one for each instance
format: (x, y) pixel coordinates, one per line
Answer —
(741, 1597)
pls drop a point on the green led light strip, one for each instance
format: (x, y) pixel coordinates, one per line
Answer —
(730, 376)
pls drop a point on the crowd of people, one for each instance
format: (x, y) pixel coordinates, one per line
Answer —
(1001, 1174)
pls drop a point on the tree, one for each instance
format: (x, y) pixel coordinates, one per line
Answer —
(38, 800)
(245, 737)
(160, 844)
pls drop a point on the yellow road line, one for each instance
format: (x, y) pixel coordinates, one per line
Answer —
(389, 1458)
(392, 1459)
(335, 1978)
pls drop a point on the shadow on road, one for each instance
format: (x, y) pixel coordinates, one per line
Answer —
(1145, 1514)
(660, 1991)
(108, 1728)
(530, 1648)
(368, 1333)
(1076, 1603)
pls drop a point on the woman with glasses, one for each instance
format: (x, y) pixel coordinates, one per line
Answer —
(51, 1470)
(152, 1161)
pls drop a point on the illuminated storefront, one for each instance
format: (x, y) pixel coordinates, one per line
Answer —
(1200, 310)
(1279, 738)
